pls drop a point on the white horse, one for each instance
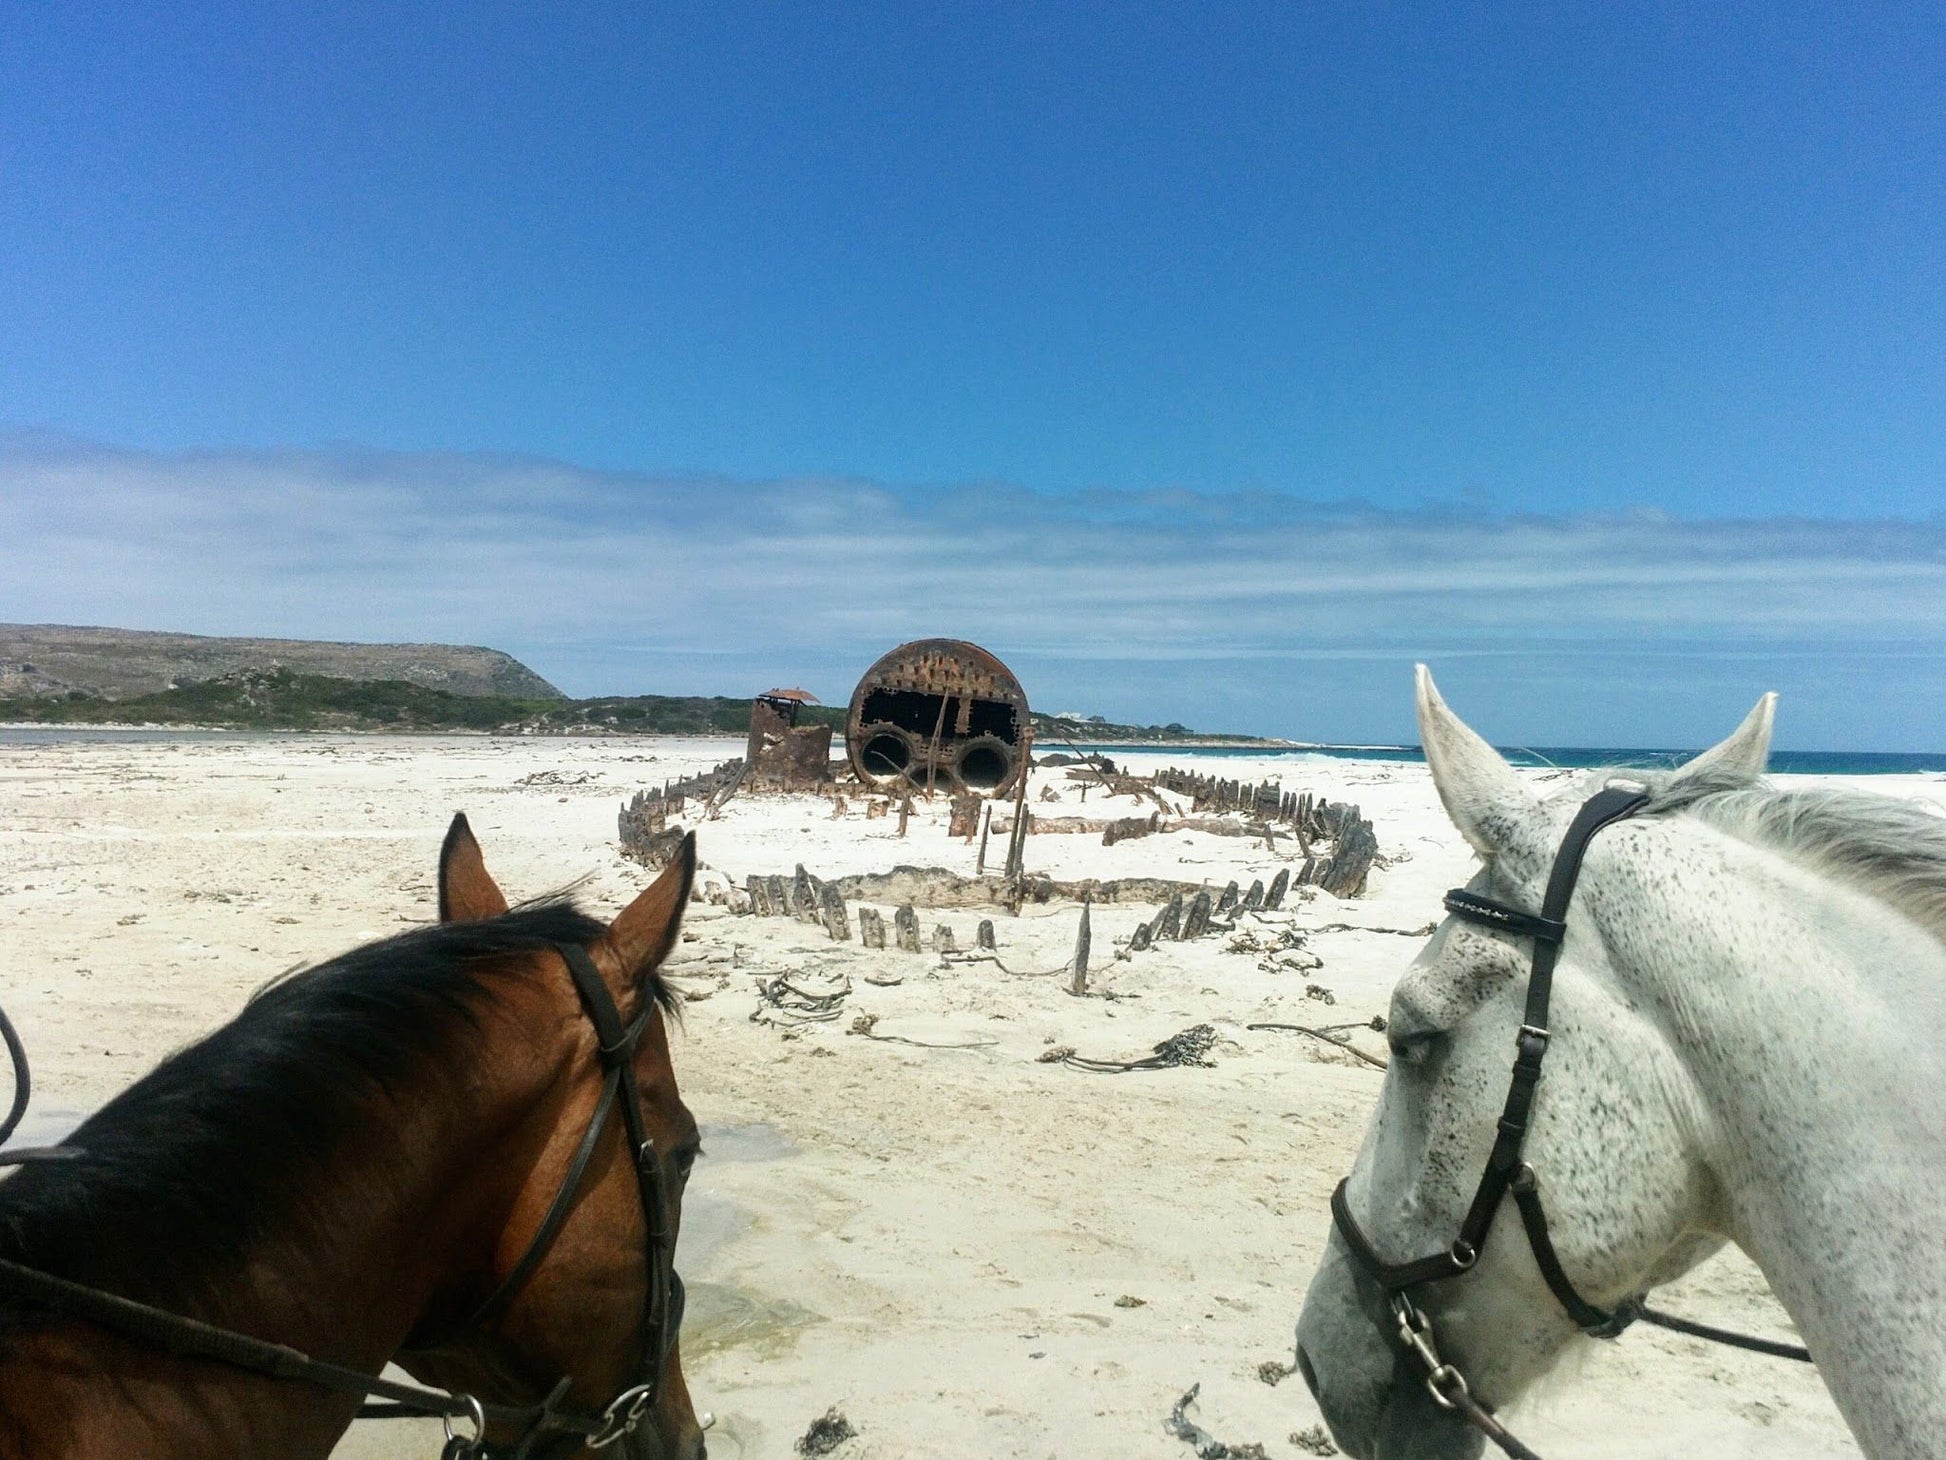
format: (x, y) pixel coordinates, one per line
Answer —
(1748, 1045)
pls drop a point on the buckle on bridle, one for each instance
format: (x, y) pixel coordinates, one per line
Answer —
(625, 1411)
(459, 1446)
(1446, 1384)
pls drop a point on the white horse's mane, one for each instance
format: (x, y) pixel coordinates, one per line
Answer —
(1880, 844)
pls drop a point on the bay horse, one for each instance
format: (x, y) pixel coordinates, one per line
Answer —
(1740, 993)
(406, 1154)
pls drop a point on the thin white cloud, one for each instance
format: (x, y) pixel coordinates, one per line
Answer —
(604, 568)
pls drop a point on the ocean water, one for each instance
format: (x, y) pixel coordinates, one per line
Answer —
(1579, 757)
(1568, 757)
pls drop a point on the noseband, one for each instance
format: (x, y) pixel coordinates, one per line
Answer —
(538, 1424)
(1506, 1173)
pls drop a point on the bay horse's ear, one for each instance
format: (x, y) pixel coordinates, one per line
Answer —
(1746, 754)
(644, 932)
(466, 891)
(1489, 804)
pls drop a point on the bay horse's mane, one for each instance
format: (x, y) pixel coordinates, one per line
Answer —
(1884, 845)
(189, 1165)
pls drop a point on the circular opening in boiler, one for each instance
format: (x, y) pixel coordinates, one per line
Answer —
(885, 755)
(983, 767)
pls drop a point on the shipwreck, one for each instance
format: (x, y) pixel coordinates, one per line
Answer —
(939, 714)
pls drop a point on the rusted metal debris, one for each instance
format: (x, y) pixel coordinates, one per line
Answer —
(939, 714)
(645, 824)
(780, 753)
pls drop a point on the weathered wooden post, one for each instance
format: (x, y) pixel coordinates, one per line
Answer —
(1195, 922)
(871, 927)
(905, 929)
(804, 897)
(984, 935)
(1254, 898)
(1017, 847)
(837, 924)
(1082, 938)
(986, 826)
(1279, 885)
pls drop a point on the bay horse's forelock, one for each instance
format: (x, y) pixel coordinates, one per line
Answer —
(332, 1170)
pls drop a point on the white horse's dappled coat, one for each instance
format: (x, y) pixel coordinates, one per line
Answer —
(1749, 1045)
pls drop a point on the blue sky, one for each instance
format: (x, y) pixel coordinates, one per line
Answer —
(1210, 363)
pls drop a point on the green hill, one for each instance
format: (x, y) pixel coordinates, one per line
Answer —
(284, 699)
(281, 699)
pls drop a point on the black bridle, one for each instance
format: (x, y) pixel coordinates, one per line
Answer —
(615, 1044)
(1506, 1173)
(537, 1424)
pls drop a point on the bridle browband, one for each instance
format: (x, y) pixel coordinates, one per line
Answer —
(1506, 1173)
(538, 1424)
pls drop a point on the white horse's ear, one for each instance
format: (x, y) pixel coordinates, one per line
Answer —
(1745, 753)
(1487, 801)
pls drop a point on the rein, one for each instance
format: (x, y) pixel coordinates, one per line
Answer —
(188, 1337)
(1506, 1173)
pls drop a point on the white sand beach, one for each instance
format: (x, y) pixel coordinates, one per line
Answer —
(966, 1250)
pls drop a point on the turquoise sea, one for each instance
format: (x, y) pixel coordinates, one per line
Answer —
(1574, 757)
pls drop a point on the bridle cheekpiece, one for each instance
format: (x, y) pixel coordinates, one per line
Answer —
(1506, 1172)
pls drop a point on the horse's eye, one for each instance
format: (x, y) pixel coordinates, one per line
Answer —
(1415, 1049)
(686, 1161)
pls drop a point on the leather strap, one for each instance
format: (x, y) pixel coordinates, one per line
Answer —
(1548, 930)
